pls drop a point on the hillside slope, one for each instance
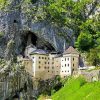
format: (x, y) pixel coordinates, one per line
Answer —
(78, 89)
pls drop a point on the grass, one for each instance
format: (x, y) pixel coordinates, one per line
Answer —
(78, 89)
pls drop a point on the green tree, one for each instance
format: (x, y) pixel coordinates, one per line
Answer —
(84, 42)
(93, 57)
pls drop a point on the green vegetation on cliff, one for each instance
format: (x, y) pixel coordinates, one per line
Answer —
(78, 89)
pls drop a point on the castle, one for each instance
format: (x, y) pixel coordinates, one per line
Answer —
(44, 65)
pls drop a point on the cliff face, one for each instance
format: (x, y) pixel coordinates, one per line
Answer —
(17, 25)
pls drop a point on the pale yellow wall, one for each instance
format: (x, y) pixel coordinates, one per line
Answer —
(57, 65)
(28, 65)
(43, 66)
(47, 66)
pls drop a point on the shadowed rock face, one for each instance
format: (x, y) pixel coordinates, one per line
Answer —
(30, 38)
(16, 26)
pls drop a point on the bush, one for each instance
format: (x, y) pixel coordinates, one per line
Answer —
(1, 34)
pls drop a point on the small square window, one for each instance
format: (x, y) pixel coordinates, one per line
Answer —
(45, 67)
(39, 67)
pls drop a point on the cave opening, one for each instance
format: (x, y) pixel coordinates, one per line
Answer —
(15, 21)
(31, 38)
(40, 43)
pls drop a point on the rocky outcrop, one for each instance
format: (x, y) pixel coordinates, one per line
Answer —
(15, 24)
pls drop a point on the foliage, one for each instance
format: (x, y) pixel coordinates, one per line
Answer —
(91, 30)
(84, 41)
(1, 34)
(4, 4)
(50, 86)
(93, 57)
(78, 88)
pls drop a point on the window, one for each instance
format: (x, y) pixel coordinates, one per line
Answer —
(73, 59)
(65, 59)
(52, 62)
(39, 67)
(45, 58)
(52, 67)
(65, 65)
(45, 62)
(44, 67)
(68, 70)
(62, 71)
(64, 76)
(48, 70)
(33, 57)
(68, 59)
(62, 66)
(39, 62)
(68, 65)
(73, 65)
(42, 57)
(48, 67)
(39, 57)
(48, 62)
(65, 71)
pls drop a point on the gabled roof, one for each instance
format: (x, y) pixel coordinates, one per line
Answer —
(71, 50)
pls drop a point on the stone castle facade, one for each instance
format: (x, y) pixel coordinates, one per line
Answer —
(43, 65)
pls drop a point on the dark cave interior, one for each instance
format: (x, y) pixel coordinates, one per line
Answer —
(40, 43)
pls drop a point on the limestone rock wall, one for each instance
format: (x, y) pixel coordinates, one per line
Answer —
(14, 23)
